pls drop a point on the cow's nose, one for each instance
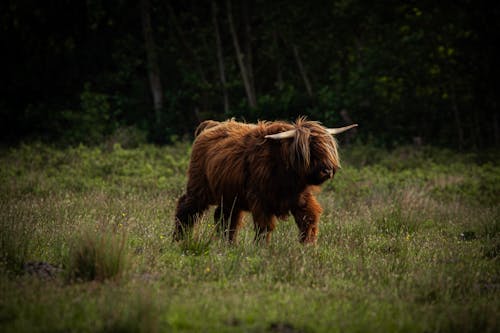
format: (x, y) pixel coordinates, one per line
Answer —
(327, 172)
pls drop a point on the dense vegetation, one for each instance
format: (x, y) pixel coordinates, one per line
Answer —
(79, 71)
(409, 242)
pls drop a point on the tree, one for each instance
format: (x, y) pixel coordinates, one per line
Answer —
(402, 70)
(220, 57)
(240, 57)
(152, 61)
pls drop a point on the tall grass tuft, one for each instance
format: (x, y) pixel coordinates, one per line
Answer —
(198, 240)
(97, 256)
(15, 240)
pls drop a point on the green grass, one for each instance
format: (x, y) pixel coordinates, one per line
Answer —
(409, 242)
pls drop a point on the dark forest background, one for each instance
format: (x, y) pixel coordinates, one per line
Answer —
(77, 71)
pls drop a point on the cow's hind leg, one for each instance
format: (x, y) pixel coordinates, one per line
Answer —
(219, 220)
(228, 222)
(189, 210)
(264, 225)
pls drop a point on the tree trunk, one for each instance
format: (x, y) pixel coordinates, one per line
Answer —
(477, 130)
(220, 58)
(192, 53)
(152, 61)
(458, 121)
(496, 131)
(248, 48)
(302, 70)
(239, 57)
(279, 71)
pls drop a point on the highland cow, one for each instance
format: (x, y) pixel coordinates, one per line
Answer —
(270, 169)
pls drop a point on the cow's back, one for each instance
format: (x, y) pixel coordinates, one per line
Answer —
(217, 166)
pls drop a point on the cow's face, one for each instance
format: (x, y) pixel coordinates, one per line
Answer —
(323, 160)
(312, 151)
(320, 174)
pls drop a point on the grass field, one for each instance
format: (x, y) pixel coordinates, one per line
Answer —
(409, 242)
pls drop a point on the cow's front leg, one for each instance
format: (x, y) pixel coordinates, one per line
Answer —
(306, 213)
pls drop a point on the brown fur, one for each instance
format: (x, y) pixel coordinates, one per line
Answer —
(205, 125)
(234, 167)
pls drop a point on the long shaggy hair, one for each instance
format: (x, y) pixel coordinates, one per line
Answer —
(235, 167)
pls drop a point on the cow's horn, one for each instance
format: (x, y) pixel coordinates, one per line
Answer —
(281, 135)
(339, 130)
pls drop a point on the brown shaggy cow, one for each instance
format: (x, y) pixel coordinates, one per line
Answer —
(269, 169)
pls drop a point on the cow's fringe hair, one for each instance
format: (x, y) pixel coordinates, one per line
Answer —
(300, 152)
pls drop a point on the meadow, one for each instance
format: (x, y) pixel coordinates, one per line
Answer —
(409, 242)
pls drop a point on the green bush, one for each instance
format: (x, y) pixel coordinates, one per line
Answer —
(97, 255)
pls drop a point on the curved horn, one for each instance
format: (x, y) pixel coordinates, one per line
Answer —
(282, 135)
(339, 130)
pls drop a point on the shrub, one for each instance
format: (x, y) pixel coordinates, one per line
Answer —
(97, 256)
(127, 137)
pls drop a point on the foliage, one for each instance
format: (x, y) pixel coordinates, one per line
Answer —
(41, 169)
(90, 123)
(404, 71)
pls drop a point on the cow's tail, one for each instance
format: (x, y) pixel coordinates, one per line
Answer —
(204, 126)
